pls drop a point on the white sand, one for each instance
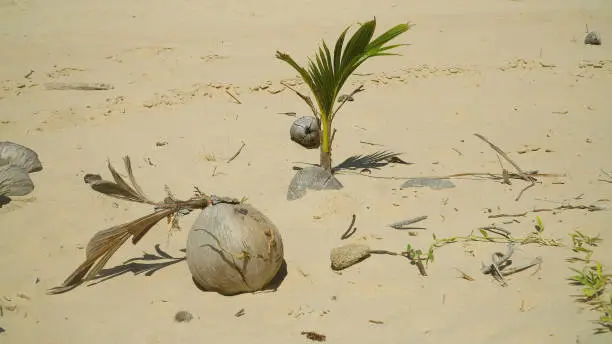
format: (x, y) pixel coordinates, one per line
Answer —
(472, 67)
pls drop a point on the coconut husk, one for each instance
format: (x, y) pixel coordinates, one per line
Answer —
(15, 181)
(233, 248)
(105, 243)
(348, 255)
(306, 132)
(311, 178)
(592, 38)
(15, 154)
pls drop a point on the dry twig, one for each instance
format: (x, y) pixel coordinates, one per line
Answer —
(77, 86)
(562, 207)
(405, 223)
(464, 275)
(350, 231)
(237, 152)
(233, 96)
(522, 174)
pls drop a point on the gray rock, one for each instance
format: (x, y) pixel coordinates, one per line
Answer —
(15, 181)
(311, 178)
(306, 132)
(15, 154)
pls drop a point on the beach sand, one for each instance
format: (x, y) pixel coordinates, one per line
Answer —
(516, 72)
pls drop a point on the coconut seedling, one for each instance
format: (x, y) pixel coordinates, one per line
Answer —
(232, 247)
(327, 74)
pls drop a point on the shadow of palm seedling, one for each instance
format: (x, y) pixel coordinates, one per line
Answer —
(374, 160)
(325, 79)
(317, 178)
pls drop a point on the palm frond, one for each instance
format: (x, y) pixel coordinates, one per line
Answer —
(120, 188)
(389, 35)
(326, 75)
(105, 243)
(303, 73)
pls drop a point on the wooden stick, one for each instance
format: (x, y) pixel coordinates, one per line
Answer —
(348, 233)
(231, 95)
(562, 207)
(494, 176)
(237, 152)
(521, 173)
(403, 224)
(78, 86)
(505, 156)
(513, 270)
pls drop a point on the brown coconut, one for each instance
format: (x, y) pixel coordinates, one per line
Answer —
(233, 248)
(306, 132)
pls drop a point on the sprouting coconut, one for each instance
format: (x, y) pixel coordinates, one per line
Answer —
(232, 247)
(325, 76)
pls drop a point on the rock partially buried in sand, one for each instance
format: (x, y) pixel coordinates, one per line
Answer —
(233, 248)
(306, 132)
(348, 255)
(592, 38)
(311, 178)
(15, 181)
(15, 154)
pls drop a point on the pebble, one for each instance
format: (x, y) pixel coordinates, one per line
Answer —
(183, 316)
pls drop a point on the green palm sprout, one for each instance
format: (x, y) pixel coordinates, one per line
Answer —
(327, 75)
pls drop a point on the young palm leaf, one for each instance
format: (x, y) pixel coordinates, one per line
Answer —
(326, 75)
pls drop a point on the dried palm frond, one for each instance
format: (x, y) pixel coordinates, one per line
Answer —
(106, 242)
(120, 188)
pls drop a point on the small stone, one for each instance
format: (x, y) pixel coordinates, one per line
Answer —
(345, 256)
(90, 178)
(183, 316)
